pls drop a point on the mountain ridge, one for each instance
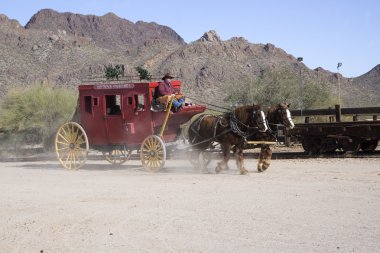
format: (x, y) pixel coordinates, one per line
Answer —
(64, 48)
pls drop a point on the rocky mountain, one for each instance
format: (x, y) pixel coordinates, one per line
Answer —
(369, 82)
(63, 49)
(107, 31)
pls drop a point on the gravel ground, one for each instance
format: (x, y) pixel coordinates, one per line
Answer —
(313, 205)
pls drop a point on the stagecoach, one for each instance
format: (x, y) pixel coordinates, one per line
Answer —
(116, 118)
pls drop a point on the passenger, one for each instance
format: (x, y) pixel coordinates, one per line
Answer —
(165, 92)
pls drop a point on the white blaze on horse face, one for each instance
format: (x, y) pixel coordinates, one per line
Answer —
(264, 121)
(289, 119)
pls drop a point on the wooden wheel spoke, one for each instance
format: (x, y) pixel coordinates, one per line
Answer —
(64, 148)
(63, 137)
(77, 158)
(63, 143)
(68, 133)
(76, 132)
(72, 133)
(74, 160)
(64, 132)
(68, 159)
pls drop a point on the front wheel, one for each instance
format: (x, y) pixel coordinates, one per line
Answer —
(153, 153)
(311, 144)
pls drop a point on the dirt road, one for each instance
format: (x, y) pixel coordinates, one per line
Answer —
(310, 205)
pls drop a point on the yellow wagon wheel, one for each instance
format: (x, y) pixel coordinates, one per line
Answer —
(117, 156)
(71, 145)
(153, 153)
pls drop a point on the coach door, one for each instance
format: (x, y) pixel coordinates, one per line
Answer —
(137, 117)
(116, 130)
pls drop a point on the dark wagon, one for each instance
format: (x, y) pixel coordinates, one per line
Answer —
(352, 135)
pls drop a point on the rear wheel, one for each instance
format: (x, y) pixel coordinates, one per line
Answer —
(369, 146)
(71, 145)
(153, 153)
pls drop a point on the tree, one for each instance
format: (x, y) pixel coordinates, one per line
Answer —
(274, 87)
(143, 73)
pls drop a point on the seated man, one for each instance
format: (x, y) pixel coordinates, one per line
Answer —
(165, 92)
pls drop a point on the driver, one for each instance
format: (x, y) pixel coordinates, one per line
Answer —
(165, 92)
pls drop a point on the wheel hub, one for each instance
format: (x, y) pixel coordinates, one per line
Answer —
(72, 146)
(152, 153)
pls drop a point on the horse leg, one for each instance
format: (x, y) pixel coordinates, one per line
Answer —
(240, 161)
(264, 159)
(226, 157)
(202, 162)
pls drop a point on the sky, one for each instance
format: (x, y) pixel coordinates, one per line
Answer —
(324, 33)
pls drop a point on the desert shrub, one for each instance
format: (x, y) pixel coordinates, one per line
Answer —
(34, 114)
(143, 73)
(112, 73)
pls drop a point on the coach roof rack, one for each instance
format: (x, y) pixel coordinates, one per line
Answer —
(122, 79)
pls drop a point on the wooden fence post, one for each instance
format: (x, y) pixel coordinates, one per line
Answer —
(338, 113)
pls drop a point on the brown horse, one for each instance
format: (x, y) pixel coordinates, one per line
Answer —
(230, 129)
(277, 115)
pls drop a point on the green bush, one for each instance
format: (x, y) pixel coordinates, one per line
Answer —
(143, 73)
(35, 113)
(113, 73)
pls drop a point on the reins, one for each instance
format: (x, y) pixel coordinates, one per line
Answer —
(234, 121)
(213, 105)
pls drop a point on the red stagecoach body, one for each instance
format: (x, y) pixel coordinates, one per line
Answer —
(118, 114)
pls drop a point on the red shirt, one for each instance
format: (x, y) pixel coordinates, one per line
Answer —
(164, 89)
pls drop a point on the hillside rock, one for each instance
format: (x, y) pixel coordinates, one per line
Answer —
(210, 36)
(369, 80)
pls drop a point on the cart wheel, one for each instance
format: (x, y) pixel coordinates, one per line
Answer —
(71, 145)
(350, 145)
(195, 158)
(153, 153)
(369, 146)
(117, 156)
(311, 145)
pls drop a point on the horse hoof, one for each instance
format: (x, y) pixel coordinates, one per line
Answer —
(243, 172)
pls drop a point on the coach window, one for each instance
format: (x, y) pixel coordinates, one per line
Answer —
(87, 104)
(95, 101)
(140, 102)
(113, 104)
